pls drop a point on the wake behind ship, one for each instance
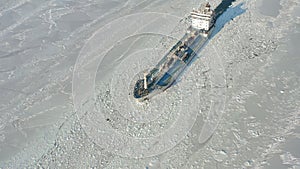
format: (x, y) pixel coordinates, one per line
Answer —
(164, 74)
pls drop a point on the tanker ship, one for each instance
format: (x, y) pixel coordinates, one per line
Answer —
(164, 74)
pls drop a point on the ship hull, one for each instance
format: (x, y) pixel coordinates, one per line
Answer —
(171, 65)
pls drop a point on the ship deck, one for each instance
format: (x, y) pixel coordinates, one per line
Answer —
(171, 65)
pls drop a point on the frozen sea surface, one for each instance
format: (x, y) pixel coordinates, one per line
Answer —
(255, 54)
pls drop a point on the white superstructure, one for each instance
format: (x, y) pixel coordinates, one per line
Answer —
(203, 18)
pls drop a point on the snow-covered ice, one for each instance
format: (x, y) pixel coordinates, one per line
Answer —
(66, 75)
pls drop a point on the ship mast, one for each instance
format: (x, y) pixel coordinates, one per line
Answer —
(145, 81)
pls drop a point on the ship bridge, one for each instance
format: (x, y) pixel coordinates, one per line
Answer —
(203, 17)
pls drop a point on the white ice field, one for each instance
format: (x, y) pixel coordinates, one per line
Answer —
(67, 68)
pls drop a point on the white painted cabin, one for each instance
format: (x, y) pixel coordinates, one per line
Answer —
(203, 18)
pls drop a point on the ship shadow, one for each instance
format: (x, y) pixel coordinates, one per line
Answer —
(223, 17)
(226, 17)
